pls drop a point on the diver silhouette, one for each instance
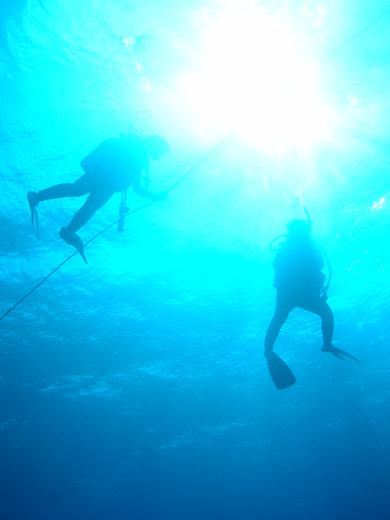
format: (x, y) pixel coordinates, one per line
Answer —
(112, 167)
(299, 282)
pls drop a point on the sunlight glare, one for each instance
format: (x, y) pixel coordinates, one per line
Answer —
(252, 79)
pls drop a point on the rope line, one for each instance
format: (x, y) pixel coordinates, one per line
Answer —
(190, 170)
(203, 158)
(349, 41)
(110, 226)
(69, 257)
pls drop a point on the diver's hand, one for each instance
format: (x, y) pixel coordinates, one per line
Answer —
(160, 196)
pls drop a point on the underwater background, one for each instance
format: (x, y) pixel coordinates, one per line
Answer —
(135, 387)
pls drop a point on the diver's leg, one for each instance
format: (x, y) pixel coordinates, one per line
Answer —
(282, 310)
(327, 318)
(74, 189)
(95, 201)
(322, 309)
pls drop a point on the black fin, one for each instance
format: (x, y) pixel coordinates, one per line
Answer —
(279, 371)
(74, 240)
(341, 354)
(34, 212)
(36, 223)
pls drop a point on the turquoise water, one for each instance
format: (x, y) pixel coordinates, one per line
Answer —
(135, 387)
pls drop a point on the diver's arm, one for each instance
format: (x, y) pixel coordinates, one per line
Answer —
(140, 190)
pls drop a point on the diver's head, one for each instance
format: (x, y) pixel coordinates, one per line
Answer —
(156, 146)
(298, 230)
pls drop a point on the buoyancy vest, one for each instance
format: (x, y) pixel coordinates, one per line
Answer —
(115, 161)
(298, 268)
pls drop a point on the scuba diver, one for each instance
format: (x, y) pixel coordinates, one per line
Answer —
(115, 165)
(299, 282)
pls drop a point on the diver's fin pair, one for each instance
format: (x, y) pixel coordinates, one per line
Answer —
(340, 354)
(33, 203)
(279, 371)
(74, 240)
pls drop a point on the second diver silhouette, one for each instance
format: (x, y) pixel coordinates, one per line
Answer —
(299, 282)
(112, 167)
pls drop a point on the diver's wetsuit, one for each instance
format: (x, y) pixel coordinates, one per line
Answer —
(298, 281)
(112, 167)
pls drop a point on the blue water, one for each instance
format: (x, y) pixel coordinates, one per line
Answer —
(135, 387)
